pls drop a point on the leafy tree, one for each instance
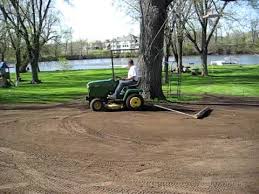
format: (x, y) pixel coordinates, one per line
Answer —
(13, 32)
(181, 10)
(35, 21)
(207, 16)
(4, 40)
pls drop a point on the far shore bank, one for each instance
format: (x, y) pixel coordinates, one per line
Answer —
(126, 55)
(118, 56)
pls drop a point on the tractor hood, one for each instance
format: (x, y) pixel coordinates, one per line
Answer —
(101, 88)
(100, 83)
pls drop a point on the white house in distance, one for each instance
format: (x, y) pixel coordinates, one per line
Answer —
(125, 42)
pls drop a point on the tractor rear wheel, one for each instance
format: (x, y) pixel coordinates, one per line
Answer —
(97, 105)
(134, 102)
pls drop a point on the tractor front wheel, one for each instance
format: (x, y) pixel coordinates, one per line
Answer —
(134, 102)
(97, 105)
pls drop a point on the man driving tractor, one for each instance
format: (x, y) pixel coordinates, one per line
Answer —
(132, 79)
(125, 92)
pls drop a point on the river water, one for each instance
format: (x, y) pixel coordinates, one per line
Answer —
(106, 63)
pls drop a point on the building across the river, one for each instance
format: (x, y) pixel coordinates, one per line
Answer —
(125, 42)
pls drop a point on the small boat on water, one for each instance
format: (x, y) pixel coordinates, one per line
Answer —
(218, 63)
(226, 61)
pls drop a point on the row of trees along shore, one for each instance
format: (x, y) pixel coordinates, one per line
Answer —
(29, 33)
(236, 42)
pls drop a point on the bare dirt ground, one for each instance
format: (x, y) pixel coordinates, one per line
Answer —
(69, 149)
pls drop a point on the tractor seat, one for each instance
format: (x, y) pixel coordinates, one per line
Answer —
(135, 85)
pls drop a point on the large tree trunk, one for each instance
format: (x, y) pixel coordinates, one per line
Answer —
(166, 67)
(34, 55)
(204, 53)
(2, 56)
(56, 51)
(18, 64)
(66, 48)
(34, 70)
(175, 53)
(174, 46)
(204, 59)
(168, 42)
(216, 36)
(180, 55)
(71, 48)
(152, 40)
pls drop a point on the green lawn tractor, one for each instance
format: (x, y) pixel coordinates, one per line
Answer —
(98, 92)
(129, 98)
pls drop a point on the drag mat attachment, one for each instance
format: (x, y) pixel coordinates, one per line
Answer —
(199, 115)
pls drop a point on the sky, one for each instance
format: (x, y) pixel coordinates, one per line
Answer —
(96, 19)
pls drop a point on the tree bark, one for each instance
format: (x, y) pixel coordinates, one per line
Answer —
(56, 51)
(71, 48)
(2, 56)
(167, 56)
(168, 42)
(18, 64)
(174, 49)
(216, 36)
(34, 56)
(66, 48)
(151, 49)
(180, 54)
(204, 59)
(204, 52)
(34, 70)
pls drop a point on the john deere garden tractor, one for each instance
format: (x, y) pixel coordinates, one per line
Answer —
(98, 91)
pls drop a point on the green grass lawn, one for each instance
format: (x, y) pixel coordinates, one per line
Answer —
(64, 86)
(223, 80)
(61, 86)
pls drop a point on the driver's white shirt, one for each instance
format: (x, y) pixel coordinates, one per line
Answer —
(133, 72)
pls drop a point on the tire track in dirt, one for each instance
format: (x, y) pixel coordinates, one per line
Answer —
(163, 187)
(70, 125)
(147, 180)
(13, 186)
(8, 122)
(36, 178)
(75, 126)
(119, 190)
(158, 190)
(118, 163)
